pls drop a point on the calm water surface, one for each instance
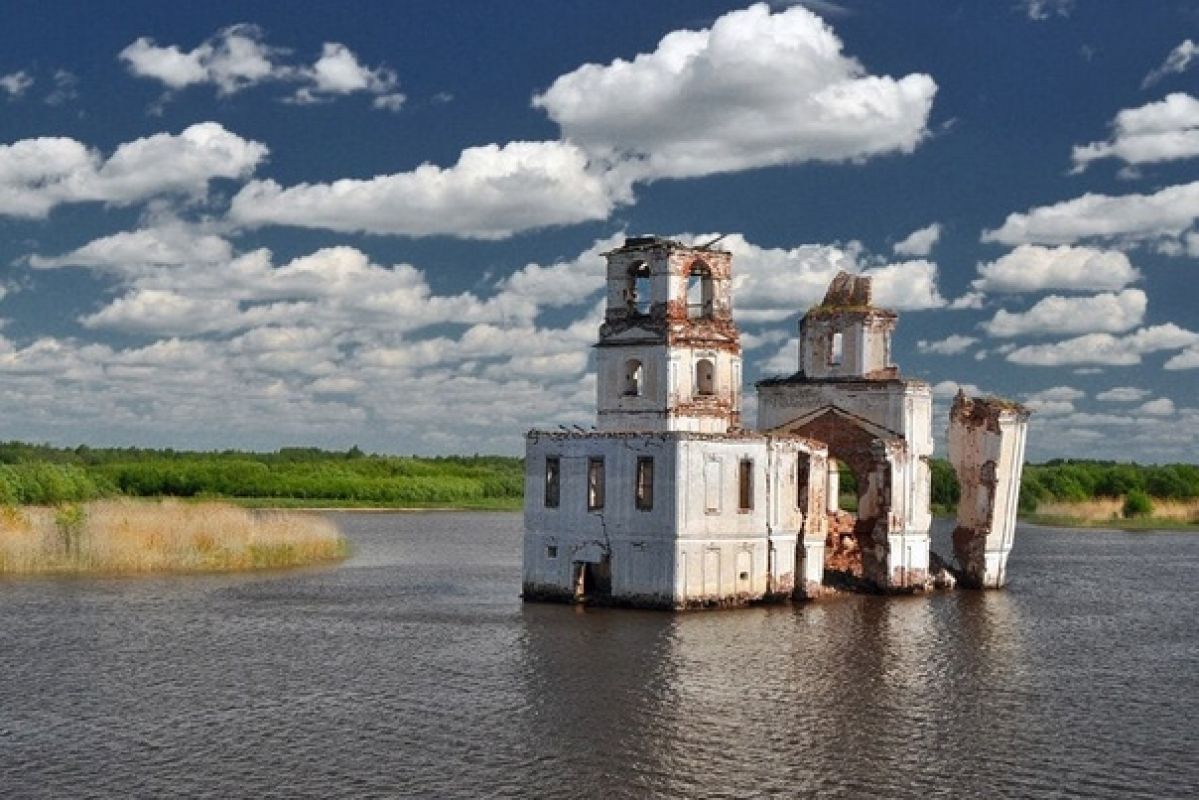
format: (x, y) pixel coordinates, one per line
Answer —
(414, 670)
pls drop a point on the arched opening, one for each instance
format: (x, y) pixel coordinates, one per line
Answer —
(705, 377)
(633, 378)
(858, 499)
(638, 291)
(699, 291)
(835, 346)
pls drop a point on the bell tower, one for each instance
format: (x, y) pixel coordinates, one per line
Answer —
(845, 337)
(669, 353)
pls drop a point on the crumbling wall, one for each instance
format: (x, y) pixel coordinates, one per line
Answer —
(986, 448)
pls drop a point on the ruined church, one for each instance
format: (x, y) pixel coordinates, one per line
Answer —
(669, 502)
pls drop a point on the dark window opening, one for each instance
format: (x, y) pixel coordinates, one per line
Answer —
(553, 484)
(803, 470)
(551, 551)
(595, 484)
(593, 580)
(645, 483)
(705, 377)
(745, 483)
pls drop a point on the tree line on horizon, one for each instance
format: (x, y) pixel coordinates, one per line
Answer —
(41, 474)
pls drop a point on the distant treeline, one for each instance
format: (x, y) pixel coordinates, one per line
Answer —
(41, 475)
(1072, 481)
(45, 475)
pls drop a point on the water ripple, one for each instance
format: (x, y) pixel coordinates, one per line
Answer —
(413, 670)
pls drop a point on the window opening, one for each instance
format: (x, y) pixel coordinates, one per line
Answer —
(595, 484)
(834, 350)
(745, 499)
(638, 289)
(705, 377)
(632, 378)
(699, 292)
(803, 469)
(552, 481)
(645, 483)
(551, 551)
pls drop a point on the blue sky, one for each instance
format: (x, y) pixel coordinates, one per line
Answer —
(254, 225)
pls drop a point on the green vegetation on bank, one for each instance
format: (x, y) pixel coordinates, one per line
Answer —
(1058, 490)
(293, 477)
(1089, 493)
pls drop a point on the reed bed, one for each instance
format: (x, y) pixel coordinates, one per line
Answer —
(123, 536)
(1103, 509)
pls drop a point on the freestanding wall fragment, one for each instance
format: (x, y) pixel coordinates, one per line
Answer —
(986, 448)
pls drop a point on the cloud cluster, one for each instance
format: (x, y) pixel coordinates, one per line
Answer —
(335, 332)
(38, 174)
(1032, 268)
(236, 58)
(1105, 348)
(756, 89)
(490, 193)
(1160, 218)
(1109, 312)
(1166, 130)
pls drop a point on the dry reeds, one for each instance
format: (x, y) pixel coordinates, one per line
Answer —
(121, 536)
(1102, 509)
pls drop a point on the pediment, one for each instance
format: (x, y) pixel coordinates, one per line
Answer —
(832, 414)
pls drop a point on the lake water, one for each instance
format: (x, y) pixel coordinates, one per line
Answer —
(414, 670)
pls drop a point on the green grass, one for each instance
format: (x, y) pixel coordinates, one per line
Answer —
(292, 477)
(1129, 524)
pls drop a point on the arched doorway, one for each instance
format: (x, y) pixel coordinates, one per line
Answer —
(856, 550)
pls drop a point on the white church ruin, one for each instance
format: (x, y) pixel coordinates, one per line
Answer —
(670, 503)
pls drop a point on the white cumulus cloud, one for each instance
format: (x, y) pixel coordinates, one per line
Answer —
(237, 57)
(38, 174)
(1109, 312)
(920, 242)
(951, 345)
(1105, 348)
(1032, 268)
(756, 89)
(339, 72)
(1122, 394)
(1167, 130)
(1164, 215)
(1161, 407)
(490, 193)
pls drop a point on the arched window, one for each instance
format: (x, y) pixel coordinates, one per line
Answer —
(637, 291)
(705, 377)
(699, 291)
(632, 378)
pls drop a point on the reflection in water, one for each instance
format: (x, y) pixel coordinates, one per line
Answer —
(414, 670)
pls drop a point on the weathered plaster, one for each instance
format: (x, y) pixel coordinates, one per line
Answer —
(740, 516)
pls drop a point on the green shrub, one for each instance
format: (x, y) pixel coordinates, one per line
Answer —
(1137, 504)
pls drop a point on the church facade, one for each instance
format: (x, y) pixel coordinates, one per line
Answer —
(669, 502)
